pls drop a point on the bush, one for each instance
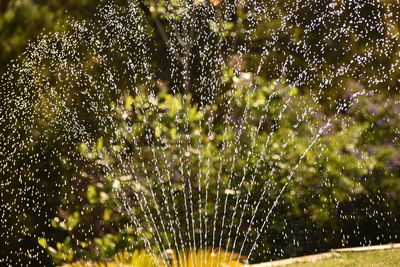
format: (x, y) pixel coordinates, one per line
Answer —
(267, 167)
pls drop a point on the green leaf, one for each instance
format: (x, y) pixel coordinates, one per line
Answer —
(128, 102)
(43, 242)
(92, 195)
(100, 143)
(73, 220)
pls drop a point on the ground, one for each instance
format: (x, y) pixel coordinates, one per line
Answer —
(381, 258)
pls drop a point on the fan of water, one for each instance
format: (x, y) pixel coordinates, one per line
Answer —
(189, 150)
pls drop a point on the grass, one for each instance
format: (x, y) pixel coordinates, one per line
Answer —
(381, 258)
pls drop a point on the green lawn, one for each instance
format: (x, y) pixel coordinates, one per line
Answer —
(381, 258)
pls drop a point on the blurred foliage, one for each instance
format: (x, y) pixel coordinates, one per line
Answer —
(344, 192)
(285, 34)
(23, 21)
